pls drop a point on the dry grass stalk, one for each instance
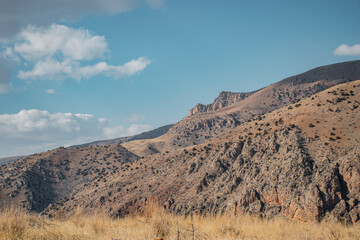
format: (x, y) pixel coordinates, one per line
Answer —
(155, 223)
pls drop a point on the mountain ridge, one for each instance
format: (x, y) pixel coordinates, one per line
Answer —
(199, 127)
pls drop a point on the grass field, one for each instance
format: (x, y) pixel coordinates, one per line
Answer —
(155, 223)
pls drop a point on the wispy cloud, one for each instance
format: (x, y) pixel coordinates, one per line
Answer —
(50, 91)
(134, 118)
(36, 130)
(59, 52)
(346, 50)
(17, 14)
(130, 131)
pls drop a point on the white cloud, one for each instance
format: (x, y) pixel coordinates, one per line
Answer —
(50, 91)
(346, 50)
(76, 44)
(36, 130)
(51, 69)
(17, 14)
(120, 131)
(57, 52)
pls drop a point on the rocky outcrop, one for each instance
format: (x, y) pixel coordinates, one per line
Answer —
(223, 100)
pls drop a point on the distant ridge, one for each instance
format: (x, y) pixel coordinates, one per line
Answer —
(6, 160)
(157, 132)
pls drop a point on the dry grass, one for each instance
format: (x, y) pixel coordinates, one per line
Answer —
(156, 223)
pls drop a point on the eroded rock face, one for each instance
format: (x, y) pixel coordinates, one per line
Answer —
(223, 100)
(267, 175)
(276, 175)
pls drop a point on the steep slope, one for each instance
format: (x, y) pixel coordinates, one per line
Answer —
(157, 132)
(201, 126)
(301, 161)
(38, 180)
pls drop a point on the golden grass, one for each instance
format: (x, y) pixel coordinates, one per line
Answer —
(156, 223)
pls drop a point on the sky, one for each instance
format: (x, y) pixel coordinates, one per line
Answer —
(72, 73)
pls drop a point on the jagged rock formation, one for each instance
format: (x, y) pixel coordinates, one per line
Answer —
(301, 162)
(223, 100)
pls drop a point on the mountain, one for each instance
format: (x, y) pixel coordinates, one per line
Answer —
(145, 135)
(269, 154)
(300, 162)
(230, 110)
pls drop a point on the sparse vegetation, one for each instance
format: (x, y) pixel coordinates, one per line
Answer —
(155, 222)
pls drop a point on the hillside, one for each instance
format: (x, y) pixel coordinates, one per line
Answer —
(38, 180)
(300, 162)
(230, 110)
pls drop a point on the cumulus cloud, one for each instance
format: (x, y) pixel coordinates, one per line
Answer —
(17, 14)
(77, 44)
(57, 52)
(35, 130)
(346, 50)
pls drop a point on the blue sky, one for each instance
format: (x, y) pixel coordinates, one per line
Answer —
(184, 52)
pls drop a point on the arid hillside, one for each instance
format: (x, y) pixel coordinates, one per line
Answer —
(230, 110)
(300, 162)
(41, 179)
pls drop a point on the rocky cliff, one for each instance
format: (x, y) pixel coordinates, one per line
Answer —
(223, 100)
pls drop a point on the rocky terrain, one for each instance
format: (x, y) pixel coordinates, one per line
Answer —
(301, 161)
(230, 110)
(268, 154)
